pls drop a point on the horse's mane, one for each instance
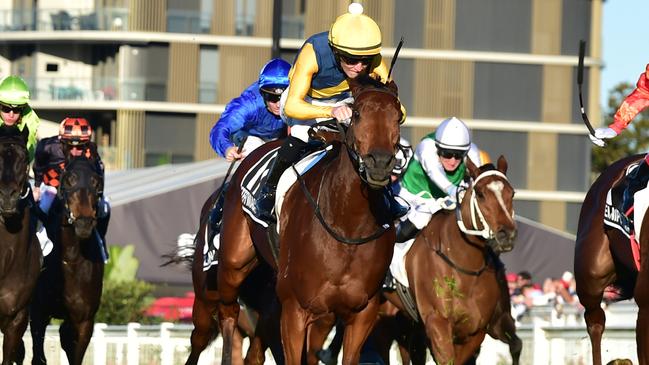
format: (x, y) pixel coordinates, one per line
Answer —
(486, 167)
(365, 81)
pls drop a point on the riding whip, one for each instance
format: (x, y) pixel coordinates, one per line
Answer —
(580, 80)
(394, 58)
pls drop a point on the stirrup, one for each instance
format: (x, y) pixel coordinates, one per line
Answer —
(265, 205)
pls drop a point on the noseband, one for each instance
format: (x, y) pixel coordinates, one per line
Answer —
(486, 232)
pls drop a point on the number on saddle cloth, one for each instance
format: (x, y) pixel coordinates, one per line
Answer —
(620, 199)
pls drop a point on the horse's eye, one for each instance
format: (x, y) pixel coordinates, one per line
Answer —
(70, 180)
(479, 194)
(355, 114)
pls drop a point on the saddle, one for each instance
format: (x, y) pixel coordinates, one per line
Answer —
(252, 182)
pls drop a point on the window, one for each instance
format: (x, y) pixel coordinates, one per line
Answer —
(52, 67)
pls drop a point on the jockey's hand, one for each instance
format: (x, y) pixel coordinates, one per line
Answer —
(342, 113)
(601, 134)
(36, 191)
(447, 202)
(231, 154)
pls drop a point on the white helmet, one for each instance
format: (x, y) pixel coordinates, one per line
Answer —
(453, 134)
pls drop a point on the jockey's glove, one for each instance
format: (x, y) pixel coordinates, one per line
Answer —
(601, 134)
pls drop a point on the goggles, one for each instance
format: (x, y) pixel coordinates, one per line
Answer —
(271, 98)
(351, 60)
(456, 154)
(8, 108)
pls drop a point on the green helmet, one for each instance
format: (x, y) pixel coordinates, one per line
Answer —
(14, 91)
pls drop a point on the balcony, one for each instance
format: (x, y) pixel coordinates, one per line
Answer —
(113, 19)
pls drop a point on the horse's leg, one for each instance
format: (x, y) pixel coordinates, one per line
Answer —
(13, 348)
(440, 333)
(204, 328)
(317, 334)
(357, 329)
(642, 300)
(293, 328)
(504, 329)
(469, 349)
(38, 322)
(236, 260)
(237, 348)
(593, 272)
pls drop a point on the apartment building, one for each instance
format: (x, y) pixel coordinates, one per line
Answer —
(153, 76)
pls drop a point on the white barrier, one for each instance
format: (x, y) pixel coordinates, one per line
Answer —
(549, 337)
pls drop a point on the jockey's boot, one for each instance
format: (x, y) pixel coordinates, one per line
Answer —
(43, 239)
(406, 230)
(637, 181)
(388, 282)
(290, 152)
(215, 218)
(396, 209)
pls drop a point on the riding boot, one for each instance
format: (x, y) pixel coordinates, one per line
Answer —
(214, 219)
(406, 230)
(388, 282)
(396, 209)
(637, 180)
(290, 152)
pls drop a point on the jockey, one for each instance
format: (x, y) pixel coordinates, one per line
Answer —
(319, 89)
(437, 168)
(14, 108)
(253, 116)
(632, 105)
(49, 163)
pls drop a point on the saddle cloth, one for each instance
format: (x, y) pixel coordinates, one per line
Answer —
(252, 182)
(615, 218)
(398, 264)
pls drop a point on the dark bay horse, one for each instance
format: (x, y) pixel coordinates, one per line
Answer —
(603, 258)
(20, 254)
(452, 268)
(71, 283)
(320, 276)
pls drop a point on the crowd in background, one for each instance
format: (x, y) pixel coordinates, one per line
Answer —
(525, 294)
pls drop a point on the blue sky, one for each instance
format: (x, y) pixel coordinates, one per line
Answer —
(625, 43)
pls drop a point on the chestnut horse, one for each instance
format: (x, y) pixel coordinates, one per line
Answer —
(319, 275)
(71, 283)
(452, 268)
(603, 259)
(258, 294)
(20, 255)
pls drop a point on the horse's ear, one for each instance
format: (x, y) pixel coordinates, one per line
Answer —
(24, 134)
(393, 87)
(472, 168)
(354, 85)
(502, 164)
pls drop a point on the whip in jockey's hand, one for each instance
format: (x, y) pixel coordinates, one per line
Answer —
(601, 134)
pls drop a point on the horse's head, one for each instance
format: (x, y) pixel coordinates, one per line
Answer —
(489, 204)
(79, 192)
(14, 160)
(374, 130)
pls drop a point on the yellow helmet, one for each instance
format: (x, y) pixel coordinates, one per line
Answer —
(355, 33)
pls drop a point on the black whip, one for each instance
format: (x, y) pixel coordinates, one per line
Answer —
(580, 80)
(394, 58)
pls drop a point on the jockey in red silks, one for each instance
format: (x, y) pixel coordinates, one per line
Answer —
(633, 104)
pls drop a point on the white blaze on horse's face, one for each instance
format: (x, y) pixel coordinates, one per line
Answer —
(497, 188)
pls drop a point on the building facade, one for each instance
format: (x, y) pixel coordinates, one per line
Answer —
(153, 76)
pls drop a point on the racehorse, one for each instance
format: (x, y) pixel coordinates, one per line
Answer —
(71, 283)
(452, 268)
(257, 292)
(20, 255)
(323, 275)
(603, 259)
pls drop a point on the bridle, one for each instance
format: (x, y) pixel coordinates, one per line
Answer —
(477, 217)
(25, 193)
(64, 193)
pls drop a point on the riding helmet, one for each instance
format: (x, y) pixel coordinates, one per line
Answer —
(273, 78)
(452, 134)
(14, 91)
(75, 131)
(355, 33)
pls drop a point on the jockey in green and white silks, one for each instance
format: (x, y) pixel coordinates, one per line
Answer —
(434, 174)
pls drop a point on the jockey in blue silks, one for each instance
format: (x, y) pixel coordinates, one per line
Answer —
(253, 116)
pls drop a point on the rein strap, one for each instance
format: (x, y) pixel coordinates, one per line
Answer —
(486, 232)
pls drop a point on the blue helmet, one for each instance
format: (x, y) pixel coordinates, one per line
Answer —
(273, 78)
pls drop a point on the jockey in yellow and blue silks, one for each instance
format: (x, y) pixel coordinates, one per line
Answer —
(15, 109)
(319, 89)
(253, 115)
